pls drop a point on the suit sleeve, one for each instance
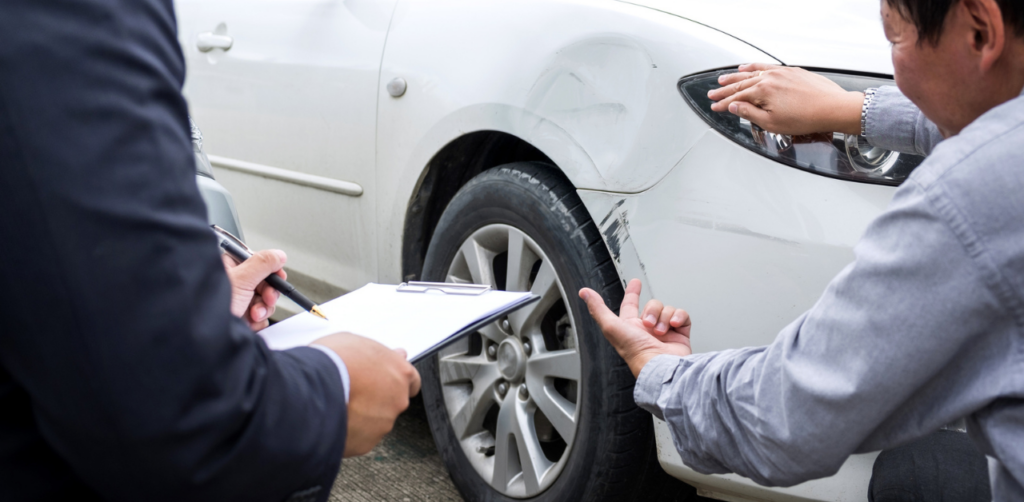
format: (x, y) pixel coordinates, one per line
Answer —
(116, 305)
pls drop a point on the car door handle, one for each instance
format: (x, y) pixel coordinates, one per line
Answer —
(216, 39)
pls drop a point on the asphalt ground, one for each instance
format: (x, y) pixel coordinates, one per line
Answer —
(404, 467)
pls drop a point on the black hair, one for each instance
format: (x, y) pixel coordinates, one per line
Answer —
(929, 16)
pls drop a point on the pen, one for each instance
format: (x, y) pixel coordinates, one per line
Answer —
(240, 252)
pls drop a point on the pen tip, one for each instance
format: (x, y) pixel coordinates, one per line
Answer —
(316, 311)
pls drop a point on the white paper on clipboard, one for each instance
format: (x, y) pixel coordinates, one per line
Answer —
(419, 319)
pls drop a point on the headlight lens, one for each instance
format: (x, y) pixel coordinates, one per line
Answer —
(835, 155)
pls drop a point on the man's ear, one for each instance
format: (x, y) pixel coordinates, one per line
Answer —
(988, 30)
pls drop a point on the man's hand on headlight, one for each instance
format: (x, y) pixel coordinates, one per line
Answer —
(788, 100)
(639, 338)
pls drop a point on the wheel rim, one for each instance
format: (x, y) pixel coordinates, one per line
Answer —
(512, 390)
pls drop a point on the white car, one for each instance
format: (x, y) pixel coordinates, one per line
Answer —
(545, 145)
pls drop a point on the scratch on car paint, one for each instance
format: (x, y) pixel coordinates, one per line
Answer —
(613, 236)
(616, 233)
(624, 218)
(611, 212)
(730, 228)
(614, 229)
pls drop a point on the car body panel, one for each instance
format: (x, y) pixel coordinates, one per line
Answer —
(746, 245)
(842, 34)
(762, 239)
(597, 95)
(296, 91)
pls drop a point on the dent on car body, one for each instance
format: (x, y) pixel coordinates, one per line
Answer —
(597, 90)
(603, 91)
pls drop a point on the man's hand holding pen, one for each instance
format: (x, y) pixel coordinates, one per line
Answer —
(251, 298)
(381, 381)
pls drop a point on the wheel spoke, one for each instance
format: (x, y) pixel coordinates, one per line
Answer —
(462, 368)
(516, 430)
(557, 364)
(546, 287)
(531, 456)
(469, 418)
(559, 410)
(539, 370)
(520, 262)
(478, 259)
(492, 332)
(506, 451)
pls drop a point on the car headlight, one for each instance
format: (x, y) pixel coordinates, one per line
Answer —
(835, 155)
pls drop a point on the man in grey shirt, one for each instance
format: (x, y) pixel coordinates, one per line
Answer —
(926, 326)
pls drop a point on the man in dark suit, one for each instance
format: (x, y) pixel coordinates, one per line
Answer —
(123, 373)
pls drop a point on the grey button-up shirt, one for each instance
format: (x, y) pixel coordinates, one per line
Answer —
(925, 327)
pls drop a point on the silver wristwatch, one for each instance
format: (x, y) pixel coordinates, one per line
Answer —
(869, 95)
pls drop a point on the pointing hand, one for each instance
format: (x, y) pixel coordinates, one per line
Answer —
(638, 339)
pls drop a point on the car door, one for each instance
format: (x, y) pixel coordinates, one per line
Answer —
(286, 93)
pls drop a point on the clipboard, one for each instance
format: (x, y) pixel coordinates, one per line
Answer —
(420, 317)
(448, 288)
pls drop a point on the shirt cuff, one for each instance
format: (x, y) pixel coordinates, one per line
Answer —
(657, 372)
(336, 359)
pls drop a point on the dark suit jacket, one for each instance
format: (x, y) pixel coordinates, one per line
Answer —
(123, 375)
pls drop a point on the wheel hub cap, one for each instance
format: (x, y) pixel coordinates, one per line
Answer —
(511, 360)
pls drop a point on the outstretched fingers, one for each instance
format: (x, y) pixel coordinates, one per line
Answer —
(731, 86)
(680, 319)
(598, 310)
(746, 91)
(630, 307)
(665, 321)
(752, 113)
(732, 78)
(652, 312)
(756, 67)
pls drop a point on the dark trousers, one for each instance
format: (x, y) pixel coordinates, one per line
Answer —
(943, 466)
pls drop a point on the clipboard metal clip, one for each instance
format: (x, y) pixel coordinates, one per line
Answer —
(447, 288)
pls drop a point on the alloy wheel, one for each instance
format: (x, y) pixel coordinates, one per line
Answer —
(512, 390)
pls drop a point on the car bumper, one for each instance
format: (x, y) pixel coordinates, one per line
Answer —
(746, 245)
(849, 484)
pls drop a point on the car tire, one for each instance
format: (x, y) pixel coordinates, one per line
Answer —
(611, 451)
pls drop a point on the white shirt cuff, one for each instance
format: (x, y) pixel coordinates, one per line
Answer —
(342, 369)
